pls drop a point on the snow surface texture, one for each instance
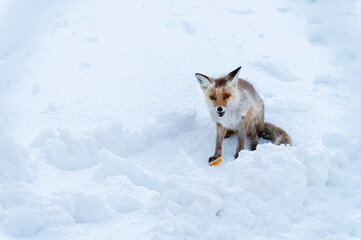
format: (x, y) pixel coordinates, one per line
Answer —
(104, 133)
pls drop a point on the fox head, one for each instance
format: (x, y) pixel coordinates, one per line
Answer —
(220, 93)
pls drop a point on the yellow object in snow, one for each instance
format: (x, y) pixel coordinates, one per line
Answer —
(216, 162)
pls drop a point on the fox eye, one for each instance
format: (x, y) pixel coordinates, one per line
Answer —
(212, 97)
(227, 96)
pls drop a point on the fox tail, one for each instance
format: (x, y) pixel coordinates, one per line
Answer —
(277, 135)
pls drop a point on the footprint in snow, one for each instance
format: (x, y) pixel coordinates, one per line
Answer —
(35, 88)
(53, 108)
(314, 20)
(84, 66)
(326, 80)
(276, 71)
(91, 40)
(180, 14)
(242, 11)
(317, 40)
(284, 10)
(188, 27)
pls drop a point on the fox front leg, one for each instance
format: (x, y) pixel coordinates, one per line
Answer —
(221, 132)
(241, 137)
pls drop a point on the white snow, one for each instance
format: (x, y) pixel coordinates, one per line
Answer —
(104, 132)
(13, 161)
(90, 209)
(64, 150)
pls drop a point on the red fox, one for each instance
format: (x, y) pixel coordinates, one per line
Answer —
(236, 108)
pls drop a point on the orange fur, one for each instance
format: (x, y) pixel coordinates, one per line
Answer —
(219, 97)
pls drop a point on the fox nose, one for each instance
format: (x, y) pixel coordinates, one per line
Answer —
(219, 109)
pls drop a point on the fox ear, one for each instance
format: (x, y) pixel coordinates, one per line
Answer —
(233, 76)
(203, 80)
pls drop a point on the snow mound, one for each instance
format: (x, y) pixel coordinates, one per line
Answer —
(270, 186)
(26, 214)
(316, 165)
(88, 208)
(118, 140)
(271, 174)
(125, 144)
(111, 165)
(13, 161)
(186, 207)
(189, 200)
(342, 143)
(171, 125)
(184, 165)
(66, 151)
(122, 202)
(335, 139)
(27, 221)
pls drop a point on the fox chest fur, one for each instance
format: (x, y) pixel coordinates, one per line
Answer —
(237, 109)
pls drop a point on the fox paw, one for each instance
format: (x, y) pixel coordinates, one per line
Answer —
(211, 159)
(236, 155)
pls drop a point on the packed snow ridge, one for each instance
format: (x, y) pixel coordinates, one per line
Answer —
(262, 193)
